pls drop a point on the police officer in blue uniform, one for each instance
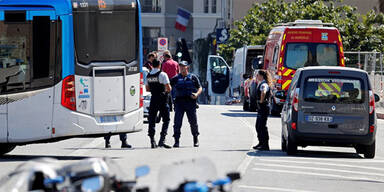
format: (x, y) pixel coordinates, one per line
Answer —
(158, 84)
(188, 89)
(263, 95)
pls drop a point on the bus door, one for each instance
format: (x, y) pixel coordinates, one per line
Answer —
(218, 78)
(27, 56)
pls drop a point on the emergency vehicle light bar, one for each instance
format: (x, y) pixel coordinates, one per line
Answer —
(306, 23)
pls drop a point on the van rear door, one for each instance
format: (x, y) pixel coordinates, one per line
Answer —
(334, 102)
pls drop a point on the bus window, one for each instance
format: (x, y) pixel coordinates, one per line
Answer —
(105, 36)
(27, 54)
(15, 54)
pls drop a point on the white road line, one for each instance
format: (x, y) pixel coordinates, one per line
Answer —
(319, 169)
(271, 188)
(298, 161)
(345, 160)
(317, 174)
(248, 159)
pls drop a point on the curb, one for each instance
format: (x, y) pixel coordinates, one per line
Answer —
(380, 115)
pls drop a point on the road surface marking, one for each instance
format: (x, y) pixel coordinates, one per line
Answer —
(271, 188)
(298, 161)
(248, 159)
(319, 169)
(345, 160)
(318, 174)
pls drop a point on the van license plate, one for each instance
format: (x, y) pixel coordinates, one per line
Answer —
(108, 119)
(320, 119)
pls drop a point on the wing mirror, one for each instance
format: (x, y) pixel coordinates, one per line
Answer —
(377, 98)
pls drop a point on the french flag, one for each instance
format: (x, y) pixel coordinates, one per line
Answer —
(182, 19)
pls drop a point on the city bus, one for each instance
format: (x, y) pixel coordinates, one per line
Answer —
(302, 43)
(69, 68)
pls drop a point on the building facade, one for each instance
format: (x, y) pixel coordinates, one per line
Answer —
(159, 18)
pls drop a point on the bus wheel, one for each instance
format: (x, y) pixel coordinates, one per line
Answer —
(6, 148)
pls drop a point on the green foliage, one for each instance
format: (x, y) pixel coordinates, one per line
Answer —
(359, 32)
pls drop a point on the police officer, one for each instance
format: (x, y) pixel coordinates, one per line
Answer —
(188, 89)
(123, 139)
(263, 94)
(158, 84)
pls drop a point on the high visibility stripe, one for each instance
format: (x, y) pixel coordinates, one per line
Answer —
(286, 84)
(289, 71)
(281, 60)
(327, 87)
(335, 85)
(342, 62)
(341, 49)
(285, 35)
(282, 48)
(340, 38)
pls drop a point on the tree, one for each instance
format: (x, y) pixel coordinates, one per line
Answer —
(359, 32)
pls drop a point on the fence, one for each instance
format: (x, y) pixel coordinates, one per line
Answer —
(372, 62)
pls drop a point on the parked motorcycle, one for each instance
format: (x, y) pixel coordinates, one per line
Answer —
(196, 175)
(89, 175)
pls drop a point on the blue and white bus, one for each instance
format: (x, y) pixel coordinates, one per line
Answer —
(69, 68)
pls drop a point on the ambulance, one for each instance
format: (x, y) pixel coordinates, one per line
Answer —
(298, 44)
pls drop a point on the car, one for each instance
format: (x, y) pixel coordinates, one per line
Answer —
(330, 106)
(146, 103)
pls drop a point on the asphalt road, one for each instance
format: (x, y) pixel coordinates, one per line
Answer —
(227, 135)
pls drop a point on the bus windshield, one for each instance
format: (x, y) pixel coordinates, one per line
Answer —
(106, 31)
(311, 54)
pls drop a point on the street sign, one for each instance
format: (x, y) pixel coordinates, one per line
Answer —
(162, 44)
(222, 35)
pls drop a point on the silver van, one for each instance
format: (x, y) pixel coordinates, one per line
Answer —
(330, 106)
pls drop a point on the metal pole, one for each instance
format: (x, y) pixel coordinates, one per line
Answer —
(358, 55)
(381, 76)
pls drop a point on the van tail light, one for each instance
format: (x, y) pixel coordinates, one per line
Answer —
(371, 128)
(141, 90)
(293, 126)
(371, 102)
(295, 99)
(68, 94)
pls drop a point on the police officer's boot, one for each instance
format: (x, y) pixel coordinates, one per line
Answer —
(107, 144)
(124, 144)
(177, 143)
(162, 143)
(195, 141)
(153, 143)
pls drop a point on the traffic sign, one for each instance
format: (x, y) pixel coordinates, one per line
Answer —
(222, 35)
(162, 44)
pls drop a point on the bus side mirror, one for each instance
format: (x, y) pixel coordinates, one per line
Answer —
(377, 98)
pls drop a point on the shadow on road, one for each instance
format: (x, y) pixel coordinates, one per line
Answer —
(306, 154)
(14, 158)
(243, 114)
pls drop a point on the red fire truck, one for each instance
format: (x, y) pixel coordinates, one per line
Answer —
(299, 44)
